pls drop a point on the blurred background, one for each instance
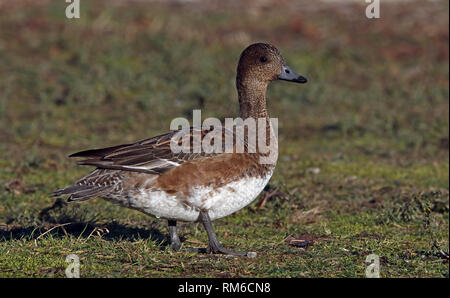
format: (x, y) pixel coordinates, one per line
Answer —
(364, 145)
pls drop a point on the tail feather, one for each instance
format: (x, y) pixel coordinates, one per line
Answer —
(81, 192)
(88, 194)
(69, 190)
(97, 184)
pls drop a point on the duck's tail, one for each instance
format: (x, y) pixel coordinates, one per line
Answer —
(99, 183)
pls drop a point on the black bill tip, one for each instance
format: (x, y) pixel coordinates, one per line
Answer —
(287, 74)
(301, 80)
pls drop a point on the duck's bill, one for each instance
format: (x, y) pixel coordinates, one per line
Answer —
(287, 74)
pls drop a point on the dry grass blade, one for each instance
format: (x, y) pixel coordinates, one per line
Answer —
(444, 255)
(268, 195)
(51, 229)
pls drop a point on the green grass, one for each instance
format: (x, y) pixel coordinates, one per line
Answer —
(364, 160)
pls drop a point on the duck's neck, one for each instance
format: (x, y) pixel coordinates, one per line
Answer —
(252, 104)
(252, 98)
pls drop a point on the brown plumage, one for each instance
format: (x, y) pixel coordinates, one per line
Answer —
(150, 177)
(258, 65)
(153, 157)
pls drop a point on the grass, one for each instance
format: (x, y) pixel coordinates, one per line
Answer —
(364, 161)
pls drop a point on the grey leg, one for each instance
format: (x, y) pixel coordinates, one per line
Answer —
(214, 245)
(175, 242)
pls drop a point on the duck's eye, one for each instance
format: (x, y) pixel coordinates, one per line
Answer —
(263, 59)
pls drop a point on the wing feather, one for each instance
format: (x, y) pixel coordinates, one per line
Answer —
(153, 155)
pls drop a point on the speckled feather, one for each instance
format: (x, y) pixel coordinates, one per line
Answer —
(149, 177)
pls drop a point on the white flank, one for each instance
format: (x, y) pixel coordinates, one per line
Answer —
(219, 202)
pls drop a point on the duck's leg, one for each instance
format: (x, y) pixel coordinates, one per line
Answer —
(214, 244)
(175, 242)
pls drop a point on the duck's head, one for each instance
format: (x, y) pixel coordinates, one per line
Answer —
(261, 63)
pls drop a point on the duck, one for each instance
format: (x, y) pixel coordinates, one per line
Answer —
(189, 186)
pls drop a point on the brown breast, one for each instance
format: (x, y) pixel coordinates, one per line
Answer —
(212, 172)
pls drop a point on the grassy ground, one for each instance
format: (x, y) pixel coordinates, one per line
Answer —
(364, 163)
